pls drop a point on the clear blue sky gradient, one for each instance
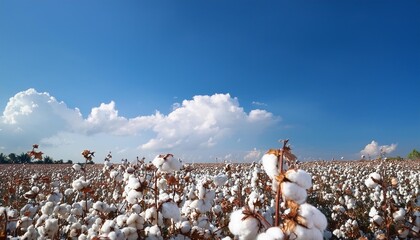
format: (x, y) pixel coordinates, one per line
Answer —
(339, 73)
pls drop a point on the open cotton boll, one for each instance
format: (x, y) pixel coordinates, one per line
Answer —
(399, 215)
(51, 227)
(300, 177)
(171, 210)
(245, 227)
(24, 223)
(292, 191)
(106, 227)
(136, 221)
(270, 165)
(369, 182)
(28, 210)
(303, 233)
(31, 233)
(377, 219)
(162, 184)
(314, 217)
(130, 233)
(116, 235)
(48, 208)
(273, 233)
(220, 179)
(153, 233)
(121, 220)
(185, 227)
(134, 196)
(77, 167)
(133, 182)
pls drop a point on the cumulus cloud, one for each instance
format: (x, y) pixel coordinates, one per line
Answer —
(203, 122)
(373, 149)
(253, 155)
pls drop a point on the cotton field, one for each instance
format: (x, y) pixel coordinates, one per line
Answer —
(163, 198)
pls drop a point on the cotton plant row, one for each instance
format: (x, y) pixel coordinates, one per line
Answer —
(162, 198)
(368, 199)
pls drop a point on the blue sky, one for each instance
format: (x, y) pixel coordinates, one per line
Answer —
(329, 75)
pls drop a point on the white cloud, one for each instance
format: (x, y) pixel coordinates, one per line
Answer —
(204, 122)
(373, 149)
(253, 155)
(256, 103)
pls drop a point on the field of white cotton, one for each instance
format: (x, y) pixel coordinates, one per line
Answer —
(162, 198)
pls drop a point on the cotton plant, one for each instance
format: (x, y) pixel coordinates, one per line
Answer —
(293, 216)
(388, 214)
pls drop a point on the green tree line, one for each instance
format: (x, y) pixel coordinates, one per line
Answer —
(14, 158)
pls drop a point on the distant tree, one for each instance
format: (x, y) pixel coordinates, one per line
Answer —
(13, 158)
(3, 159)
(59, 161)
(69, 162)
(48, 160)
(413, 155)
(24, 158)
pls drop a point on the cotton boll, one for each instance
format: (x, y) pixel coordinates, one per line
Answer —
(136, 221)
(48, 208)
(31, 233)
(130, 233)
(68, 192)
(399, 215)
(220, 180)
(245, 227)
(121, 220)
(162, 184)
(370, 183)
(300, 177)
(136, 208)
(270, 164)
(303, 233)
(185, 227)
(35, 189)
(133, 182)
(51, 227)
(292, 191)
(313, 216)
(100, 206)
(134, 196)
(24, 223)
(28, 210)
(171, 210)
(106, 227)
(153, 232)
(273, 233)
(77, 167)
(378, 219)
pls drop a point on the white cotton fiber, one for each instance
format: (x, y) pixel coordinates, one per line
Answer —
(270, 165)
(300, 177)
(220, 179)
(303, 233)
(246, 228)
(399, 215)
(314, 217)
(369, 182)
(292, 191)
(171, 210)
(273, 233)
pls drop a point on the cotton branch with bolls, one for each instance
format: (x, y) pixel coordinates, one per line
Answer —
(293, 217)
